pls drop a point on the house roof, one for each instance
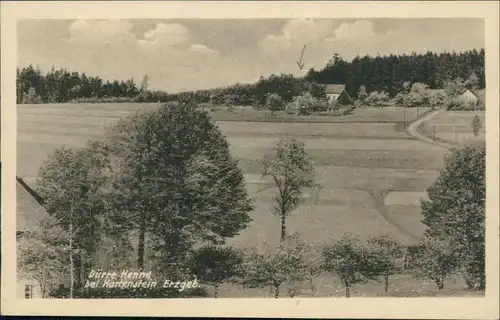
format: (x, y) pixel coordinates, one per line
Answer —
(29, 210)
(477, 92)
(334, 88)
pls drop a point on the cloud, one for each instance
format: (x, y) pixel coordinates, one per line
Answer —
(167, 35)
(296, 33)
(101, 31)
(201, 49)
(355, 31)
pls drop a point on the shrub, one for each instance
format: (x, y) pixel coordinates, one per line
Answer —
(274, 102)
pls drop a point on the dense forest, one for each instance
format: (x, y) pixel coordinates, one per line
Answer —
(381, 73)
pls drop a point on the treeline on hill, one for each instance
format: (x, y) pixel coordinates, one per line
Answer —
(389, 73)
(382, 74)
(162, 193)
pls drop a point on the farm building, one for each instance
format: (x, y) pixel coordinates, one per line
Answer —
(336, 93)
(29, 212)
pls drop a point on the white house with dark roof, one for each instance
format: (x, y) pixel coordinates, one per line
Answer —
(336, 93)
(471, 97)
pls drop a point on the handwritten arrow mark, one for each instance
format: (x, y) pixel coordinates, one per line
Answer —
(300, 63)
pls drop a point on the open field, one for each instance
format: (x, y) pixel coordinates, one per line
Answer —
(362, 114)
(454, 127)
(372, 175)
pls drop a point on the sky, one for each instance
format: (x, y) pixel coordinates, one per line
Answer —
(181, 55)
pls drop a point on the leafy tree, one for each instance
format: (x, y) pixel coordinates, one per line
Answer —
(215, 265)
(276, 266)
(476, 125)
(455, 210)
(316, 90)
(376, 98)
(31, 96)
(303, 103)
(388, 251)
(175, 182)
(291, 171)
(437, 260)
(274, 102)
(438, 99)
(472, 82)
(454, 88)
(68, 183)
(349, 260)
(362, 94)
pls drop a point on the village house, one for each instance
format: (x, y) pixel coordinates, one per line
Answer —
(29, 212)
(336, 93)
(471, 97)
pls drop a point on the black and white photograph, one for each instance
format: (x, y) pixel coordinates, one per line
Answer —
(282, 158)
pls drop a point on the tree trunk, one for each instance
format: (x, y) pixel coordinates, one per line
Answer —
(216, 291)
(44, 280)
(440, 283)
(386, 284)
(276, 291)
(283, 228)
(313, 291)
(141, 245)
(347, 291)
(71, 267)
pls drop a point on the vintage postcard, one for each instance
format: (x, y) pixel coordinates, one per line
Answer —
(246, 159)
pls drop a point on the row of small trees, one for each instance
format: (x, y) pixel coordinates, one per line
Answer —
(453, 243)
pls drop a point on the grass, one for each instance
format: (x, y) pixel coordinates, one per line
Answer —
(326, 285)
(360, 115)
(454, 127)
(305, 129)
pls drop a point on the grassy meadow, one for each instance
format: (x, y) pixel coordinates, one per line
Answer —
(372, 176)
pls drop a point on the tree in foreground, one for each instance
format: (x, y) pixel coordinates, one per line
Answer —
(216, 265)
(291, 171)
(176, 182)
(455, 211)
(69, 182)
(276, 266)
(351, 261)
(437, 260)
(388, 252)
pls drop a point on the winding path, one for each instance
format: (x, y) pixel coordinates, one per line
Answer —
(412, 130)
